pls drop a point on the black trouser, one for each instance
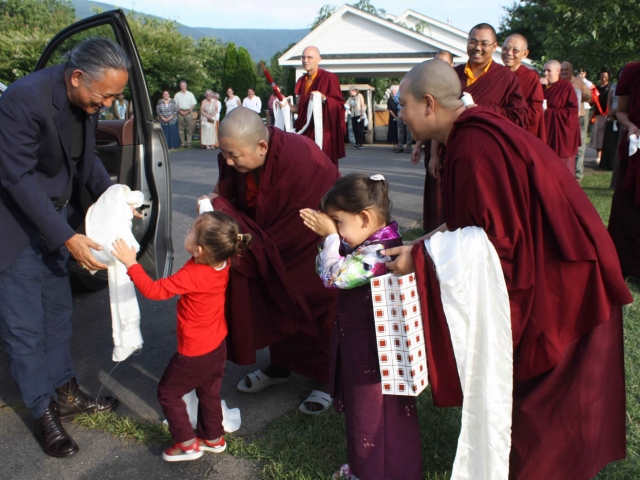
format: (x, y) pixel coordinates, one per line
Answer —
(358, 129)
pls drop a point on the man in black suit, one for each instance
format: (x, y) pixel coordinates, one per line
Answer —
(48, 123)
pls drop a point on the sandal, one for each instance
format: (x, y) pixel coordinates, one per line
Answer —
(321, 398)
(259, 381)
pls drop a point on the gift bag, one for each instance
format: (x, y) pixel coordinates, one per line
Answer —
(399, 334)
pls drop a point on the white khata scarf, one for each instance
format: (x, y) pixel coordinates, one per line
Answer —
(476, 304)
(314, 110)
(107, 220)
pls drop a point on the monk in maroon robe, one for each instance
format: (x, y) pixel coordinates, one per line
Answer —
(491, 85)
(514, 49)
(274, 298)
(561, 116)
(334, 127)
(624, 223)
(564, 284)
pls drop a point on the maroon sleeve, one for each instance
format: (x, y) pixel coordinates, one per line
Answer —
(178, 284)
(441, 361)
(513, 106)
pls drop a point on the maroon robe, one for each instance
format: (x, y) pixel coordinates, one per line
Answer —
(432, 208)
(624, 222)
(562, 122)
(565, 294)
(334, 127)
(498, 89)
(274, 297)
(534, 95)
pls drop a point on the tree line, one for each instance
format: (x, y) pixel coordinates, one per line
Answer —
(167, 56)
(592, 34)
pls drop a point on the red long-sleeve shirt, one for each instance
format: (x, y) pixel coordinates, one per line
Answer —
(201, 325)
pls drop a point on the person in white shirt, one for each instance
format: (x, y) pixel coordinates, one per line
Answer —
(216, 97)
(185, 101)
(252, 102)
(232, 101)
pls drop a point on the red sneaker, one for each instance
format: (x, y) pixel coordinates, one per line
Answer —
(217, 447)
(180, 453)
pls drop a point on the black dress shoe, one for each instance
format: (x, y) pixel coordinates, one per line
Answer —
(53, 438)
(73, 401)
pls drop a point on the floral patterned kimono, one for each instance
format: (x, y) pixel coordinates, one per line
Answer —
(383, 436)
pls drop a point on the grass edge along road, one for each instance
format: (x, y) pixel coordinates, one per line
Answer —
(299, 447)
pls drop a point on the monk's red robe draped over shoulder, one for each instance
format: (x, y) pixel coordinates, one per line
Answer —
(498, 90)
(534, 96)
(274, 296)
(565, 291)
(561, 119)
(334, 127)
(624, 222)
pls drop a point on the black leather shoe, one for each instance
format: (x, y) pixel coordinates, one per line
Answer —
(73, 401)
(53, 438)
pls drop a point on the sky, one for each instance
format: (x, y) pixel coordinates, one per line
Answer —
(295, 14)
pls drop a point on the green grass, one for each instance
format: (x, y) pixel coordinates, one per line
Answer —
(299, 447)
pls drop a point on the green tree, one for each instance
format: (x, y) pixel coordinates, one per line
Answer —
(325, 12)
(167, 56)
(211, 52)
(26, 27)
(239, 70)
(592, 34)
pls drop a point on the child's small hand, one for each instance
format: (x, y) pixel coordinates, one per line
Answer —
(124, 253)
(320, 223)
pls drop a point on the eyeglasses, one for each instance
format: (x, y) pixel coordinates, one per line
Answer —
(473, 43)
(515, 51)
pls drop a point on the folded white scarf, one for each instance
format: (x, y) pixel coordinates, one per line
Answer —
(476, 305)
(314, 110)
(107, 220)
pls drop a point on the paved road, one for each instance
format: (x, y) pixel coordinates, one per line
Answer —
(134, 381)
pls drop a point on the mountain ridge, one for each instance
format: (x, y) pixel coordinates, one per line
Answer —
(262, 44)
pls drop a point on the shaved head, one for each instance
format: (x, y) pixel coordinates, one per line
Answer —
(552, 65)
(430, 99)
(437, 78)
(311, 50)
(520, 39)
(551, 71)
(514, 50)
(310, 59)
(243, 126)
(445, 56)
(566, 71)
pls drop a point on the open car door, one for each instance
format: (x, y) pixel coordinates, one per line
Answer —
(132, 149)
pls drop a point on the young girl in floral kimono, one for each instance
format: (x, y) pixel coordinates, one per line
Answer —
(383, 436)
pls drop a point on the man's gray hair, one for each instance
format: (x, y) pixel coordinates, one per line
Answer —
(96, 55)
(209, 91)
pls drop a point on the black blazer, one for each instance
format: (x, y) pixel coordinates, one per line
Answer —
(35, 144)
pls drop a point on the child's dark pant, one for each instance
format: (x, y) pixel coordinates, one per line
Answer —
(204, 374)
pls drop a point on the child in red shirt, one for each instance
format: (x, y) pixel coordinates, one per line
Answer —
(213, 239)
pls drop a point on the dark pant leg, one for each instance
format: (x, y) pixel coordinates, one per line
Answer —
(209, 406)
(358, 129)
(182, 375)
(35, 323)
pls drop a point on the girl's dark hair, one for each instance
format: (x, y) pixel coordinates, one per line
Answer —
(356, 192)
(219, 236)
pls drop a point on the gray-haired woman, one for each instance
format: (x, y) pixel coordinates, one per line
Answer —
(208, 111)
(358, 111)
